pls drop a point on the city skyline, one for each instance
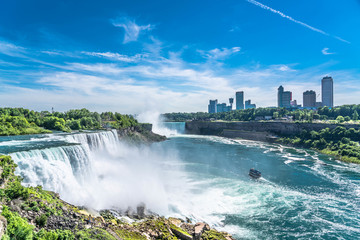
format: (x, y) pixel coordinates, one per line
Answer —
(166, 56)
(284, 99)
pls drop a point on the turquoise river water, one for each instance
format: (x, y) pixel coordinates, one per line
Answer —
(302, 194)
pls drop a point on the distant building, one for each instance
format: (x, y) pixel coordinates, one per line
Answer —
(239, 100)
(294, 104)
(327, 91)
(248, 104)
(212, 106)
(231, 101)
(318, 104)
(309, 99)
(284, 98)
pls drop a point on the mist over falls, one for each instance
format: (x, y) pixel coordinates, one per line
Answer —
(98, 170)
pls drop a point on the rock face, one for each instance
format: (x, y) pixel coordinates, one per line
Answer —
(261, 131)
(3, 224)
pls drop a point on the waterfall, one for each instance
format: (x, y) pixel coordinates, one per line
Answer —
(98, 170)
(66, 169)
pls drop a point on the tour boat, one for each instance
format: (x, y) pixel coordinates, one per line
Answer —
(254, 173)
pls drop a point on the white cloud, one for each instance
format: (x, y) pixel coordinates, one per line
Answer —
(256, 3)
(11, 49)
(219, 54)
(325, 51)
(132, 30)
(116, 56)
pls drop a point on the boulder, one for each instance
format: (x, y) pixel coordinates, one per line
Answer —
(3, 224)
(199, 229)
(140, 210)
(180, 233)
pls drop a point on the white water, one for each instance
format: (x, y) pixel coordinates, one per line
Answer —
(101, 172)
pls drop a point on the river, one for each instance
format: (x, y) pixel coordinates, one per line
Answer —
(302, 194)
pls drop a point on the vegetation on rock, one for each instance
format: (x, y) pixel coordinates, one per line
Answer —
(341, 142)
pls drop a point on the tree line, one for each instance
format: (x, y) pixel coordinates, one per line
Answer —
(16, 121)
(340, 114)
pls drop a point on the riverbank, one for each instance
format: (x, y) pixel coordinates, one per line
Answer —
(339, 140)
(33, 213)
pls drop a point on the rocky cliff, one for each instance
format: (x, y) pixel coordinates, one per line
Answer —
(261, 131)
(140, 134)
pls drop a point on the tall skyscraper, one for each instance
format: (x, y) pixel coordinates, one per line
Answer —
(309, 99)
(327, 91)
(239, 100)
(212, 106)
(284, 98)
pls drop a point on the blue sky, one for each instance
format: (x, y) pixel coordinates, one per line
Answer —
(171, 56)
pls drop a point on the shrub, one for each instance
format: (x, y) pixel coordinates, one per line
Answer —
(41, 220)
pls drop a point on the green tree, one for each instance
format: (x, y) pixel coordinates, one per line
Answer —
(340, 119)
(355, 115)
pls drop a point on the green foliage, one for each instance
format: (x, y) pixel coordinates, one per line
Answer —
(355, 115)
(339, 141)
(16, 190)
(19, 121)
(94, 233)
(212, 235)
(340, 119)
(18, 227)
(41, 220)
(323, 113)
(54, 235)
(128, 235)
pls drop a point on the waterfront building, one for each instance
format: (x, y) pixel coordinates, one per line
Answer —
(239, 100)
(309, 99)
(212, 106)
(327, 91)
(284, 98)
(249, 105)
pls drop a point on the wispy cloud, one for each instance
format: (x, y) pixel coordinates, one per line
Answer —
(219, 54)
(132, 30)
(294, 20)
(11, 49)
(116, 56)
(325, 51)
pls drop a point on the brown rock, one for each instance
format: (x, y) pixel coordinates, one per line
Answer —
(199, 229)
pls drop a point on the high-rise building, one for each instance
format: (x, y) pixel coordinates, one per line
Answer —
(284, 98)
(239, 100)
(212, 106)
(327, 91)
(221, 107)
(309, 99)
(248, 104)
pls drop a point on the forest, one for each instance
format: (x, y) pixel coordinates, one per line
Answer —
(19, 121)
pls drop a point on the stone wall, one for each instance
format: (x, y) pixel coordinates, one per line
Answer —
(256, 130)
